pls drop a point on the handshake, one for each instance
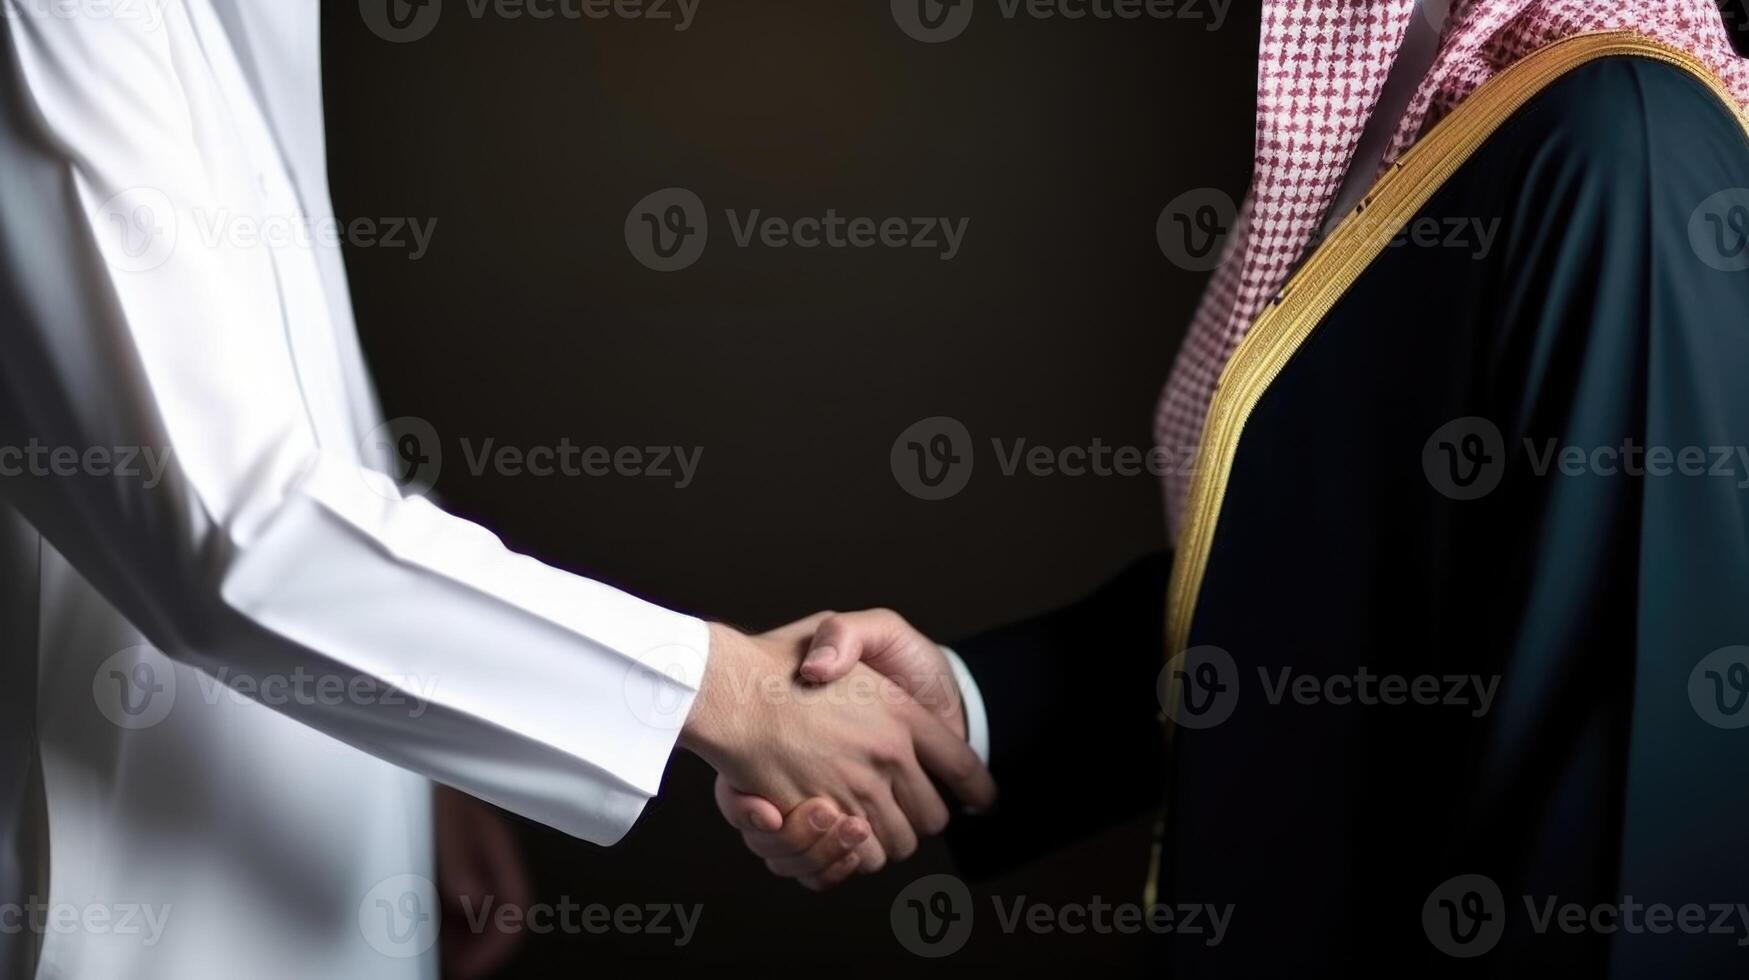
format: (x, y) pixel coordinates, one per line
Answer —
(829, 737)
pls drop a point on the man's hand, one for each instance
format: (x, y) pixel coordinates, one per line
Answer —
(861, 743)
(884, 641)
(816, 843)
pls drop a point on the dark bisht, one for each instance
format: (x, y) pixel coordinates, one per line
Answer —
(1461, 602)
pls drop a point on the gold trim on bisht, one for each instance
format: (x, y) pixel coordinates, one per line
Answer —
(1309, 296)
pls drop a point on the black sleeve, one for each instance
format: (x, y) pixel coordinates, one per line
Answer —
(1075, 739)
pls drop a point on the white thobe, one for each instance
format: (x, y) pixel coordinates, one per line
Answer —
(156, 823)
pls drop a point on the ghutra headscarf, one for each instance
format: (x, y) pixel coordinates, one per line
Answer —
(1323, 65)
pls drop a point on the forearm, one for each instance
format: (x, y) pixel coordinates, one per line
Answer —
(251, 540)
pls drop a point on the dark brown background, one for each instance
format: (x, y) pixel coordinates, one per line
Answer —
(529, 321)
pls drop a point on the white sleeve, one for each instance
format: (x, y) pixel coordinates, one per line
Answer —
(261, 552)
(972, 699)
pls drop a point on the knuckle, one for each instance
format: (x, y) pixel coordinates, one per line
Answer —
(961, 769)
(868, 786)
(888, 755)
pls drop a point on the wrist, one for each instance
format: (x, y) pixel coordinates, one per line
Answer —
(713, 727)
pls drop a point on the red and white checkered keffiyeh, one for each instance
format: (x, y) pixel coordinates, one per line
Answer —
(1322, 67)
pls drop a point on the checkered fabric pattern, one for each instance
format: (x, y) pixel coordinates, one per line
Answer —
(1322, 67)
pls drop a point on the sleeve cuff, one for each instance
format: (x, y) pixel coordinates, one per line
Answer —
(977, 721)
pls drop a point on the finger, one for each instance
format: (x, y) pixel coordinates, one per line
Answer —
(805, 827)
(872, 855)
(917, 796)
(830, 849)
(802, 630)
(843, 639)
(890, 826)
(745, 811)
(950, 760)
(835, 875)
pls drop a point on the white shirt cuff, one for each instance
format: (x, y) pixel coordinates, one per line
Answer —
(977, 721)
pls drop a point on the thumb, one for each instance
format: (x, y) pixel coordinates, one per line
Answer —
(745, 811)
(875, 637)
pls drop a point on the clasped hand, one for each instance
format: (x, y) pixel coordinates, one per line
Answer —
(826, 735)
